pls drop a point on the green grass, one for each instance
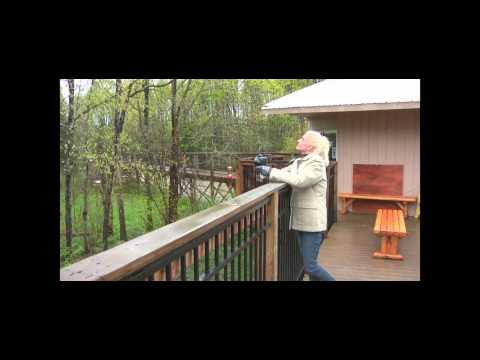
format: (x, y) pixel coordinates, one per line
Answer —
(135, 210)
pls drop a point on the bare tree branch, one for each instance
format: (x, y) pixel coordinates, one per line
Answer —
(151, 86)
(94, 106)
(184, 96)
(195, 98)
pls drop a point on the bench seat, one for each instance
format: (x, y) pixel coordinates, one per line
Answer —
(390, 225)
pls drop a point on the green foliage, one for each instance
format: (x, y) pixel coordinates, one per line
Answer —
(135, 210)
(215, 116)
(245, 253)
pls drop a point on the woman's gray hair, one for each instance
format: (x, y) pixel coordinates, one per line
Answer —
(320, 144)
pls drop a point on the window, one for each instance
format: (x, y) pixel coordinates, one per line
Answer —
(332, 137)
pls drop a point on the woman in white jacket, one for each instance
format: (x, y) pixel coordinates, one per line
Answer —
(308, 179)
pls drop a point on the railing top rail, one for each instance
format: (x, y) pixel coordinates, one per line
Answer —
(121, 260)
(236, 152)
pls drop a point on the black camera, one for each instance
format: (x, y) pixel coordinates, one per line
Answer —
(260, 159)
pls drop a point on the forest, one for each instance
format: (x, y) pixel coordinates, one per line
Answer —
(125, 145)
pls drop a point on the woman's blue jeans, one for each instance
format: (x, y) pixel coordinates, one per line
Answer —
(309, 243)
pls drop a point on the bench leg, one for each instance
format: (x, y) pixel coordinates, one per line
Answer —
(384, 245)
(346, 204)
(388, 249)
(392, 246)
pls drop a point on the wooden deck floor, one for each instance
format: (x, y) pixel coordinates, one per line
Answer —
(347, 251)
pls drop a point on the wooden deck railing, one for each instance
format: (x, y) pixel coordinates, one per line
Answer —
(246, 238)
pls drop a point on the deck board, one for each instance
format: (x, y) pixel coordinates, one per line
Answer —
(347, 251)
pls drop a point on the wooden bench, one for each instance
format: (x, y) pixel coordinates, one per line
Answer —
(401, 201)
(390, 225)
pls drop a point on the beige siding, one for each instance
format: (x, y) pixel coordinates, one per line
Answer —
(375, 137)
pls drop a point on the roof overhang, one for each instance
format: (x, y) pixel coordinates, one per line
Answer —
(343, 108)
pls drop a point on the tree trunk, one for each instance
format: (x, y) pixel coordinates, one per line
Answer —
(149, 217)
(137, 177)
(106, 218)
(121, 209)
(68, 210)
(107, 201)
(110, 220)
(115, 169)
(146, 129)
(212, 179)
(69, 166)
(173, 186)
(86, 244)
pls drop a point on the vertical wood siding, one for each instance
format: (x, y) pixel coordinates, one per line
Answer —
(375, 137)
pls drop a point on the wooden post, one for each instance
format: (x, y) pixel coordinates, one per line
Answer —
(239, 179)
(212, 180)
(272, 239)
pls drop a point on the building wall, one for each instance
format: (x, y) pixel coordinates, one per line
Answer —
(375, 137)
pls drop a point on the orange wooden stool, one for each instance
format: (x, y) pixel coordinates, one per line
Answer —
(390, 225)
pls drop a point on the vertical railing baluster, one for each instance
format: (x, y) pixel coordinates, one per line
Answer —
(265, 211)
(279, 245)
(168, 272)
(207, 257)
(259, 254)
(183, 270)
(289, 246)
(250, 247)
(260, 238)
(280, 238)
(284, 246)
(225, 251)
(285, 274)
(245, 249)
(286, 257)
(232, 244)
(259, 248)
(290, 260)
(217, 256)
(264, 241)
(256, 246)
(239, 244)
(294, 258)
(280, 231)
(195, 263)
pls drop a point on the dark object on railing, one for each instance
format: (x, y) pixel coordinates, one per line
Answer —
(260, 159)
(247, 178)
